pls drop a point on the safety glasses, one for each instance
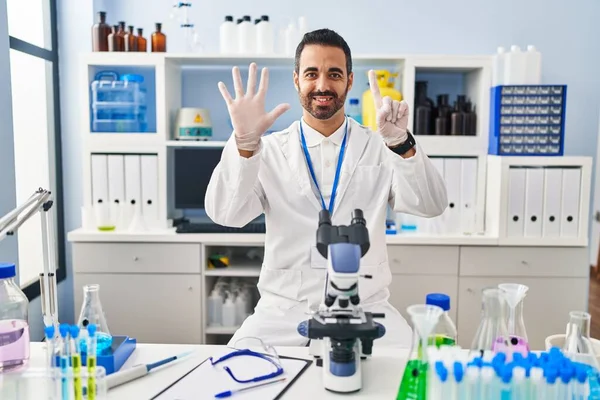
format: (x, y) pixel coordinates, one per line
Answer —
(252, 347)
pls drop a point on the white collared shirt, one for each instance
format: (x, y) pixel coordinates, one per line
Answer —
(324, 152)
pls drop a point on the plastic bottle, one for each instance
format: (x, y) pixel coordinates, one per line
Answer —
(131, 43)
(240, 308)
(265, 40)
(386, 87)
(142, 42)
(302, 27)
(515, 72)
(534, 66)
(444, 332)
(159, 40)
(245, 35)
(14, 326)
(229, 312)
(215, 308)
(498, 66)
(291, 39)
(100, 32)
(354, 111)
(227, 36)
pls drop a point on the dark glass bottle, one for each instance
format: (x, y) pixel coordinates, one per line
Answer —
(115, 41)
(442, 120)
(469, 120)
(159, 40)
(100, 32)
(131, 43)
(457, 119)
(424, 108)
(121, 32)
(142, 44)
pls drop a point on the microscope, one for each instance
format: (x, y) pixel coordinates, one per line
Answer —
(341, 333)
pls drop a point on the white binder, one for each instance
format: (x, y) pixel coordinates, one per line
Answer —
(571, 186)
(452, 175)
(534, 201)
(149, 165)
(133, 182)
(116, 186)
(436, 225)
(516, 202)
(552, 201)
(468, 195)
(99, 179)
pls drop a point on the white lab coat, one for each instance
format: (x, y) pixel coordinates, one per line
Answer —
(276, 181)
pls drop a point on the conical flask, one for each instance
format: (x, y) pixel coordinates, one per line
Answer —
(514, 294)
(492, 334)
(92, 313)
(577, 339)
(414, 381)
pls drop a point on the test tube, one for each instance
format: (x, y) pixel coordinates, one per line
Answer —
(76, 363)
(50, 343)
(91, 361)
(64, 360)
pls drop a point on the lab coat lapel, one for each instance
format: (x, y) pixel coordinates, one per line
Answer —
(292, 150)
(357, 142)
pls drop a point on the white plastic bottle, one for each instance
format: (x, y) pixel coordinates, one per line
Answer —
(228, 36)
(302, 27)
(246, 37)
(240, 309)
(215, 308)
(498, 67)
(265, 40)
(534, 66)
(229, 313)
(515, 67)
(291, 39)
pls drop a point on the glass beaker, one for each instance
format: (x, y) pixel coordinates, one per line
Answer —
(92, 313)
(514, 294)
(414, 380)
(492, 334)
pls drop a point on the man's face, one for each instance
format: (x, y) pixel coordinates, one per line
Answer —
(322, 81)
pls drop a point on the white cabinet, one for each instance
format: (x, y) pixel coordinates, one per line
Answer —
(152, 308)
(546, 307)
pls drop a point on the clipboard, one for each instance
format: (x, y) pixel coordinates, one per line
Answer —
(190, 385)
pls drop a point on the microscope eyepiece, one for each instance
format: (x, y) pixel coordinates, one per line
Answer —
(324, 218)
(358, 217)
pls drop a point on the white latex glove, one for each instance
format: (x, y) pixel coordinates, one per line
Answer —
(247, 111)
(391, 115)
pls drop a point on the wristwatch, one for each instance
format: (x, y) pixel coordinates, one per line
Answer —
(408, 144)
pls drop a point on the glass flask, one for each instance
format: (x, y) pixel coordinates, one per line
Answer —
(414, 380)
(492, 334)
(92, 313)
(14, 326)
(444, 332)
(514, 294)
(100, 32)
(158, 40)
(116, 42)
(142, 42)
(130, 40)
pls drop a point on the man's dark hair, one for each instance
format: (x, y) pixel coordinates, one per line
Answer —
(324, 37)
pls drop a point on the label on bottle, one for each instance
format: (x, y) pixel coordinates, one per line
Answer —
(414, 381)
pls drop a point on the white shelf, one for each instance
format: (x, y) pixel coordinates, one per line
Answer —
(453, 145)
(234, 271)
(221, 330)
(196, 143)
(123, 142)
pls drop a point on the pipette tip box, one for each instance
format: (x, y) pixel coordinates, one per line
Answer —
(122, 347)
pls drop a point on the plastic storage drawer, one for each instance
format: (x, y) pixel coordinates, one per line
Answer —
(527, 120)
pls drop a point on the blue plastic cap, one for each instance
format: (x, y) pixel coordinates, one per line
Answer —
(91, 328)
(353, 101)
(458, 371)
(581, 374)
(506, 374)
(438, 299)
(566, 375)
(441, 371)
(7, 270)
(74, 331)
(49, 331)
(518, 358)
(132, 78)
(499, 358)
(64, 330)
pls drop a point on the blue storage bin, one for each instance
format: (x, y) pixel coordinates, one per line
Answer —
(118, 103)
(527, 120)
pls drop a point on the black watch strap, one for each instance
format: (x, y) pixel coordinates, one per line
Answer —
(406, 146)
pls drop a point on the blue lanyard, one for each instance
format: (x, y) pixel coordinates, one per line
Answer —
(337, 170)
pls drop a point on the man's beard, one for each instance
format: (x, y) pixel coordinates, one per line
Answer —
(325, 111)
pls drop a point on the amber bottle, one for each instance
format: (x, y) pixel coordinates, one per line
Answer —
(142, 43)
(100, 32)
(131, 43)
(159, 40)
(115, 42)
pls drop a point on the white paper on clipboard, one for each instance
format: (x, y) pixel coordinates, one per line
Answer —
(206, 380)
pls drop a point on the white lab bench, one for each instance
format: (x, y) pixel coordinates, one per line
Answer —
(156, 280)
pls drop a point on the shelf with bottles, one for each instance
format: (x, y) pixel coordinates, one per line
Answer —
(122, 99)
